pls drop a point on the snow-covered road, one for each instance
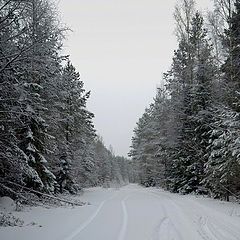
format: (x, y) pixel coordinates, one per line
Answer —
(134, 213)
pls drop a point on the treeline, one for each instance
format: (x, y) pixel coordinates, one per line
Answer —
(47, 137)
(188, 139)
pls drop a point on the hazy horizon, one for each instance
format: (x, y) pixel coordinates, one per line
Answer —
(121, 49)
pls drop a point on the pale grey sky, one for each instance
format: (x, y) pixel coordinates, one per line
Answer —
(121, 48)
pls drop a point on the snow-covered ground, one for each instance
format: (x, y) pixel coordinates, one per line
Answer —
(131, 213)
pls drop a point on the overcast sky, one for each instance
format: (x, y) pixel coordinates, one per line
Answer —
(121, 48)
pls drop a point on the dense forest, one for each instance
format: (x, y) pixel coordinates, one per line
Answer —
(48, 141)
(58, 180)
(188, 139)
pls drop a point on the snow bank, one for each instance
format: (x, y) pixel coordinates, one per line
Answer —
(7, 204)
(130, 213)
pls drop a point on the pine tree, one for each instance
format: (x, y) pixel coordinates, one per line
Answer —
(222, 168)
(232, 65)
(139, 151)
(103, 163)
(75, 131)
(201, 94)
(30, 30)
(171, 145)
(34, 75)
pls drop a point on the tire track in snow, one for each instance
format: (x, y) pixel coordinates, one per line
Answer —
(204, 231)
(209, 228)
(172, 232)
(167, 230)
(123, 230)
(223, 231)
(85, 224)
(202, 228)
(89, 220)
(212, 228)
(210, 231)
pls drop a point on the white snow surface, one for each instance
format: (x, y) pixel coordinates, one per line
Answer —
(7, 204)
(131, 213)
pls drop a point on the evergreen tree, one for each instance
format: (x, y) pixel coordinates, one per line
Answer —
(34, 74)
(30, 30)
(232, 65)
(170, 144)
(75, 133)
(222, 168)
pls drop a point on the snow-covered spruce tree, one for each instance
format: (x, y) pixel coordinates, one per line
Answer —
(84, 163)
(180, 80)
(201, 104)
(171, 138)
(218, 21)
(74, 131)
(222, 167)
(148, 150)
(9, 96)
(64, 176)
(139, 151)
(132, 170)
(109, 170)
(222, 170)
(149, 142)
(231, 67)
(123, 168)
(171, 141)
(35, 76)
(32, 41)
(12, 159)
(159, 123)
(193, 92)
(41, 116)
(200, 147)
(102, 162)
(116, 176)
(179, 89)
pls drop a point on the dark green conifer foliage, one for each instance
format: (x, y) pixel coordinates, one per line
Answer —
(231, 68)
